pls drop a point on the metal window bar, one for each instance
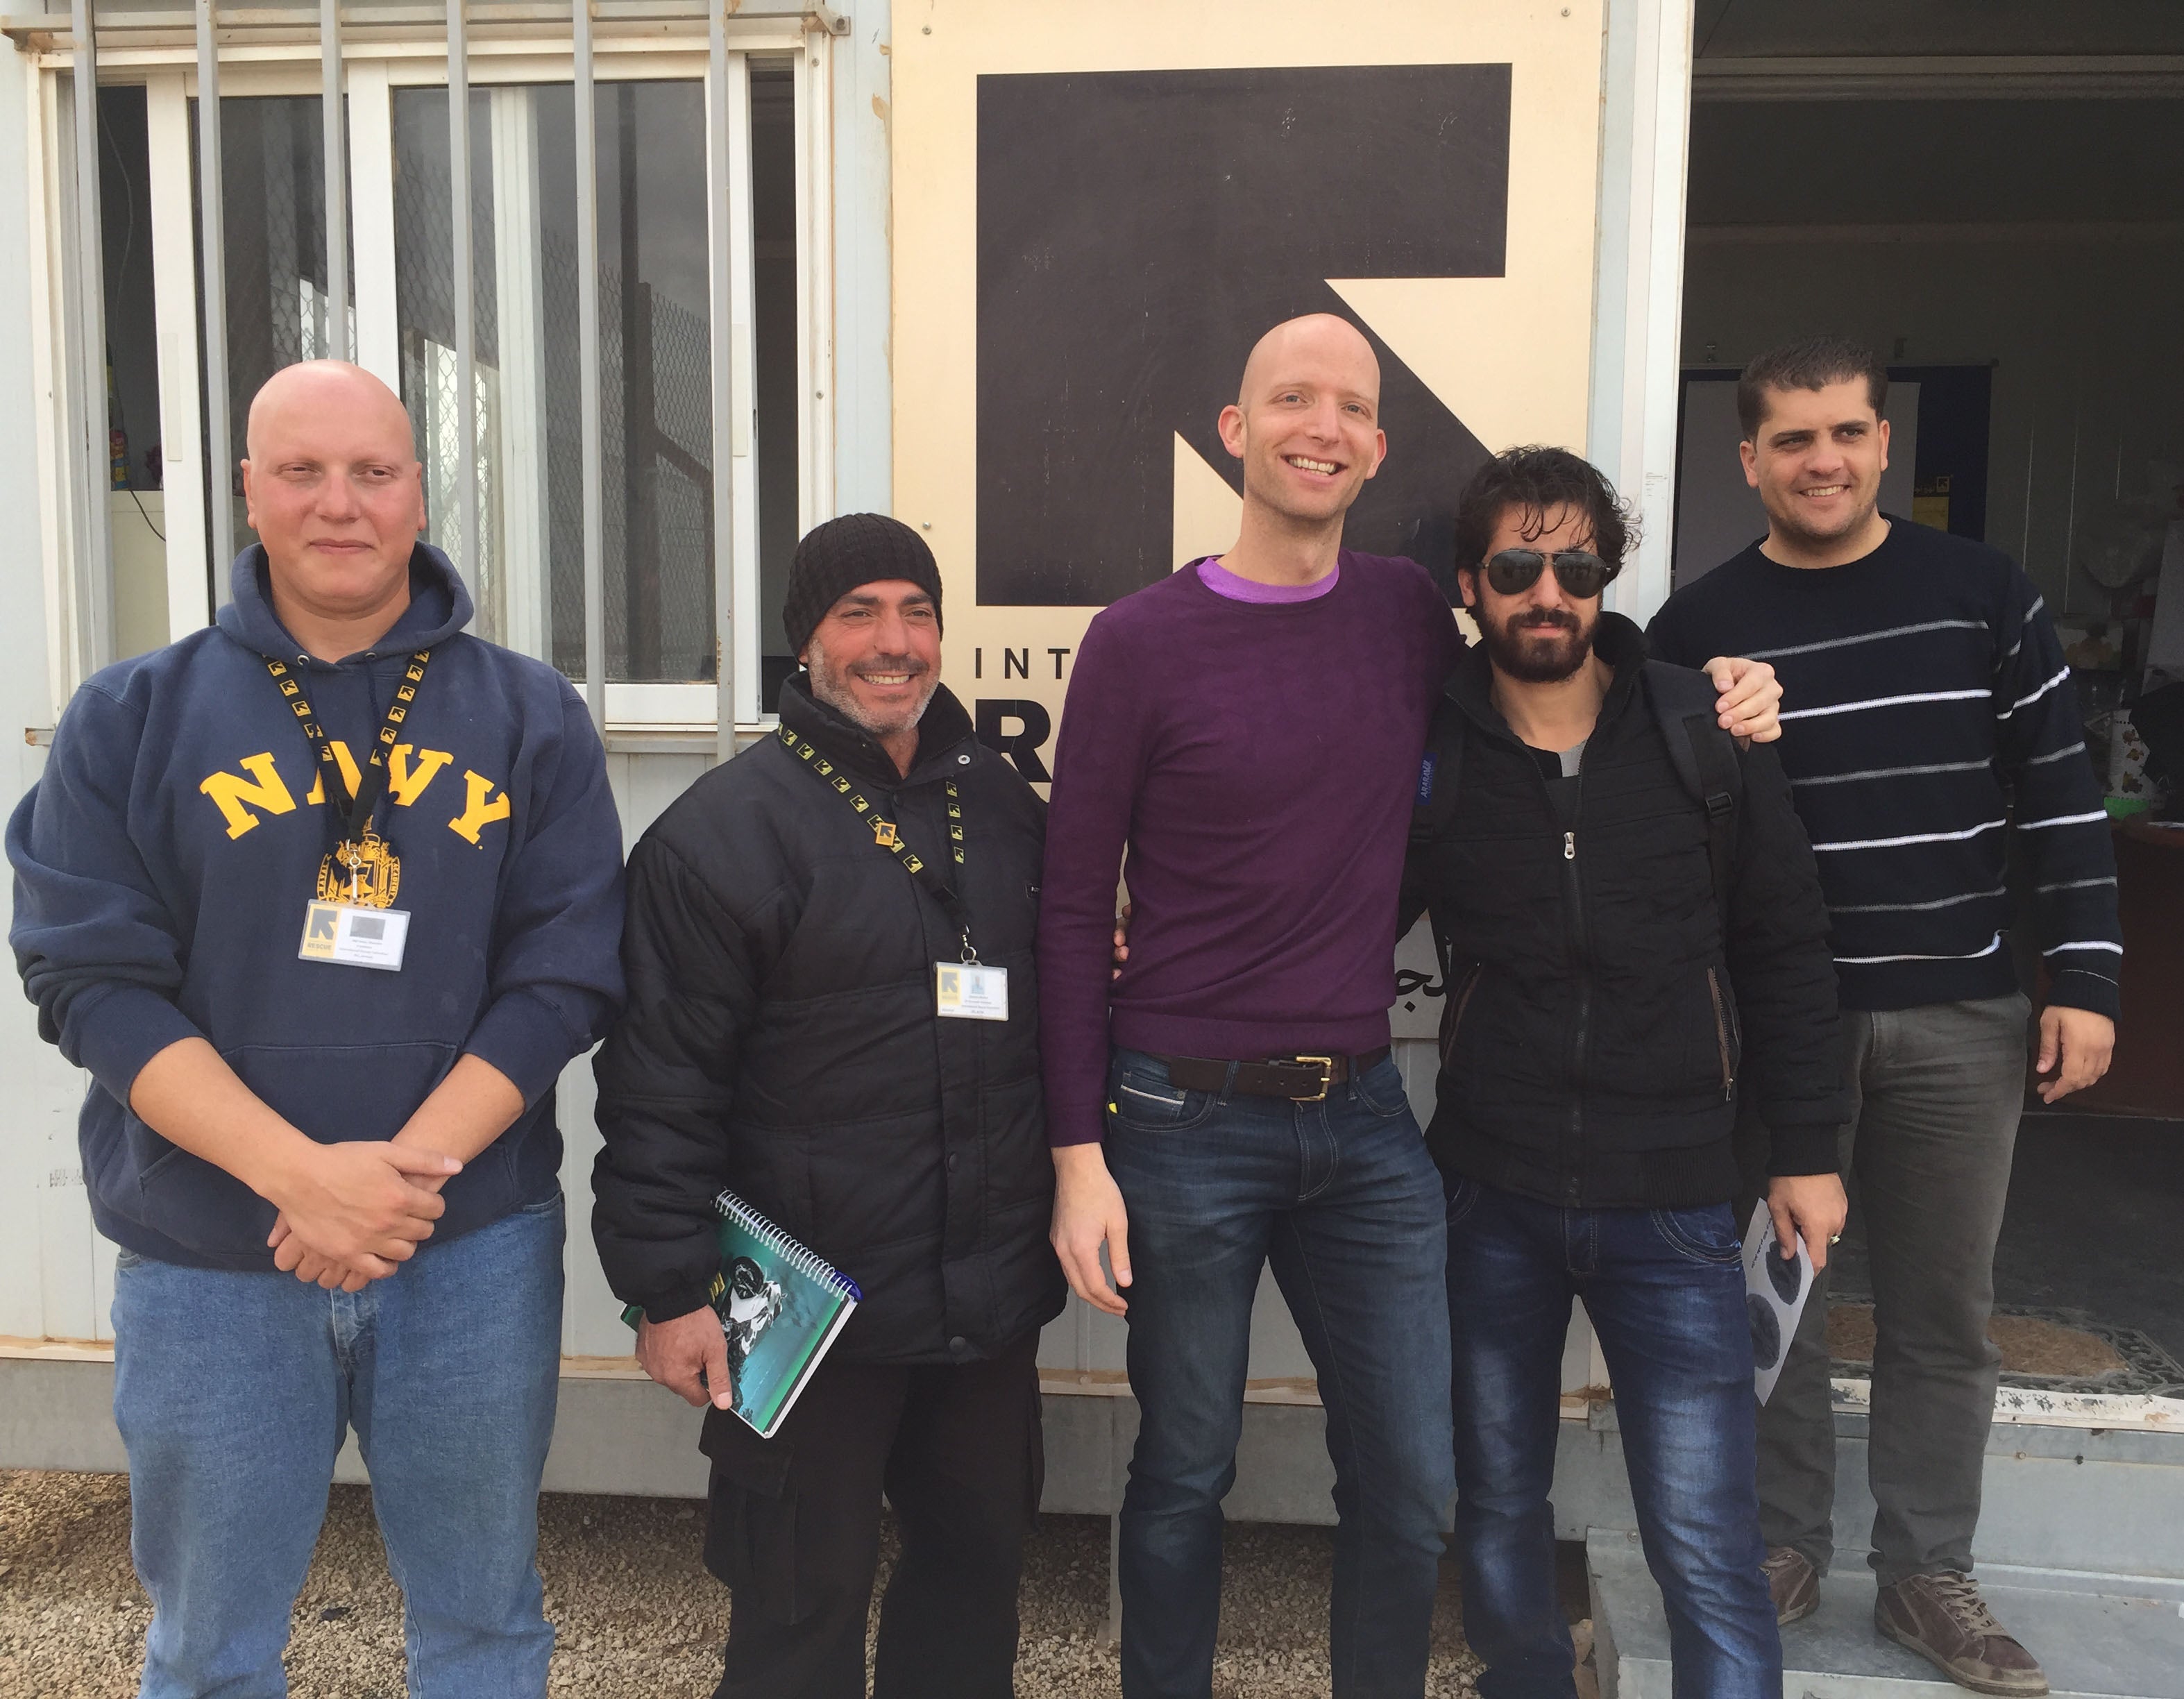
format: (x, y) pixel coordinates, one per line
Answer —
(334, 131)
(212, 247)
(459, 184)
(722, 152)
(588, 367)
(95, 578)
(726, 158)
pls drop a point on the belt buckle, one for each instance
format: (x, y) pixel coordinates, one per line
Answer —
(1326, 1077)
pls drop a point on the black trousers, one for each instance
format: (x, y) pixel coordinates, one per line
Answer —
(794, 1528)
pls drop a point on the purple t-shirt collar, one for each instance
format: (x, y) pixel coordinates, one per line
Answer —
(1222, 581)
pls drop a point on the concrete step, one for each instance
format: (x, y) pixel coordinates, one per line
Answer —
(2100, 1496)
(2097, 1636)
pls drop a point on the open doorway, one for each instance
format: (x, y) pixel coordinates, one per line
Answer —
(2013, 250)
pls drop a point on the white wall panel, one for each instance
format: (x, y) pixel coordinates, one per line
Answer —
(863, 115)
(48, 1282)
(643, 786)
(591, 1323)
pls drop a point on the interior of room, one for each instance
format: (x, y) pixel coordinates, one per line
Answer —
(2013, 249)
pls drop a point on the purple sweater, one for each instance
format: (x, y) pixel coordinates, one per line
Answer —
(1258, 761)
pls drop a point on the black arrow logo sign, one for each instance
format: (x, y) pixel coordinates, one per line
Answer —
(1139, 231)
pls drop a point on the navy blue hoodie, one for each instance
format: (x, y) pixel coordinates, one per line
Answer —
(164, 861)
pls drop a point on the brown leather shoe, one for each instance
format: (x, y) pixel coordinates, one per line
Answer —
(1792, 1583)
(1943, 1618)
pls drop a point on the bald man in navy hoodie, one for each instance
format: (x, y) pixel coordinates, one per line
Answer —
(324, 897)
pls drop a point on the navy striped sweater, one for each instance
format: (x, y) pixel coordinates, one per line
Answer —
(1926, 713)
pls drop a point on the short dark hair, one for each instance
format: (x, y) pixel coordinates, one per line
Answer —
(1538, 481)
(1812, 364)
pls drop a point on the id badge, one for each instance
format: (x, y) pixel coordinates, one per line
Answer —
(963, 992)
(355, 937)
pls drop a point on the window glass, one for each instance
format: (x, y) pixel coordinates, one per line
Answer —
(273, 209)
(136, 511)
(774, 287)
(512, 438)
(655, 372)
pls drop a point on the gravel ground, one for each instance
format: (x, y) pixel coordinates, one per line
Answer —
(638, 1617)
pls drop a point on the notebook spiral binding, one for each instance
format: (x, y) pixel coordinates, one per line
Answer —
(806, 1262)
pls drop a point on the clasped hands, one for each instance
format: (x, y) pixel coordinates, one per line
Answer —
(351, 1214)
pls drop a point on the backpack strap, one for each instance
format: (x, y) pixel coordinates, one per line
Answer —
(1441, 773)
(1704, 758)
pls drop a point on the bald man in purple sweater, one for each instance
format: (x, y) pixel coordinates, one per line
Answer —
(1250, 729)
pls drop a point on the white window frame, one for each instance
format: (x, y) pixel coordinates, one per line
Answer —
(714, 52)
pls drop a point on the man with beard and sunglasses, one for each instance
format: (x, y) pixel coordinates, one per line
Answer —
(1248, 729)
(796, 922)
(1633, 936)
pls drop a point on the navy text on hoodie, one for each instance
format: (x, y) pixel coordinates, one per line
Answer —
(164, 861)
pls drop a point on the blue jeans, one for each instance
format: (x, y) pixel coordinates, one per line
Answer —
(1343, 1199)
(1665, 1291)
(233, 1392)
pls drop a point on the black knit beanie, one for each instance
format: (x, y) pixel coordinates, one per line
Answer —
(836, 557)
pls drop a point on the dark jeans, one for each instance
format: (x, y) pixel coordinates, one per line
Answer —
(794, 1528)
(1665, 1291)
(1936, 1094)
(1342, 1198)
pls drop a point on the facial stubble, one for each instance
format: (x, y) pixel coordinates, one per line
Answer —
(833, 688)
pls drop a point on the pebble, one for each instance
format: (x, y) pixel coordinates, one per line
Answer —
(638, 1616)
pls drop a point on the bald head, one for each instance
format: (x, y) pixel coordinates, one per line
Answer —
(1319, 344)
(337, 497)
(1307, 425)
(317, 394)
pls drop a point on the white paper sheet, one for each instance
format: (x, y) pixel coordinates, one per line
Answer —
(1776, 1288)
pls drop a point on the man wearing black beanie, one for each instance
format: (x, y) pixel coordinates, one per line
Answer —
(837, 557)
(804, 924)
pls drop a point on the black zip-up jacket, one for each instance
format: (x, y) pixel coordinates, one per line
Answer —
(1598, 1024)
(781, 1042)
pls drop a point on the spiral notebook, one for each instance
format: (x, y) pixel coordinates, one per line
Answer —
(780, 1307)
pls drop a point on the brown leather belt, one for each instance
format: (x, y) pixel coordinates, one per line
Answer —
(1301, 1078)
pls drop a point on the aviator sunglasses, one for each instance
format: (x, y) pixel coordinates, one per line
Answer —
(1580, 572)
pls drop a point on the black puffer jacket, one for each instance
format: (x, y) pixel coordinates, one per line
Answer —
(1598, 1024)
(781, 1041)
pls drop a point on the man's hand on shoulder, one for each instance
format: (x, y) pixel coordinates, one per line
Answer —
(2076, 1045)
(1088, 1214)
(688, 1355)
(1750, 705)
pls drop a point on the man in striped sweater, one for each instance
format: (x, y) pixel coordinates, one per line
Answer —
(1928, 713)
